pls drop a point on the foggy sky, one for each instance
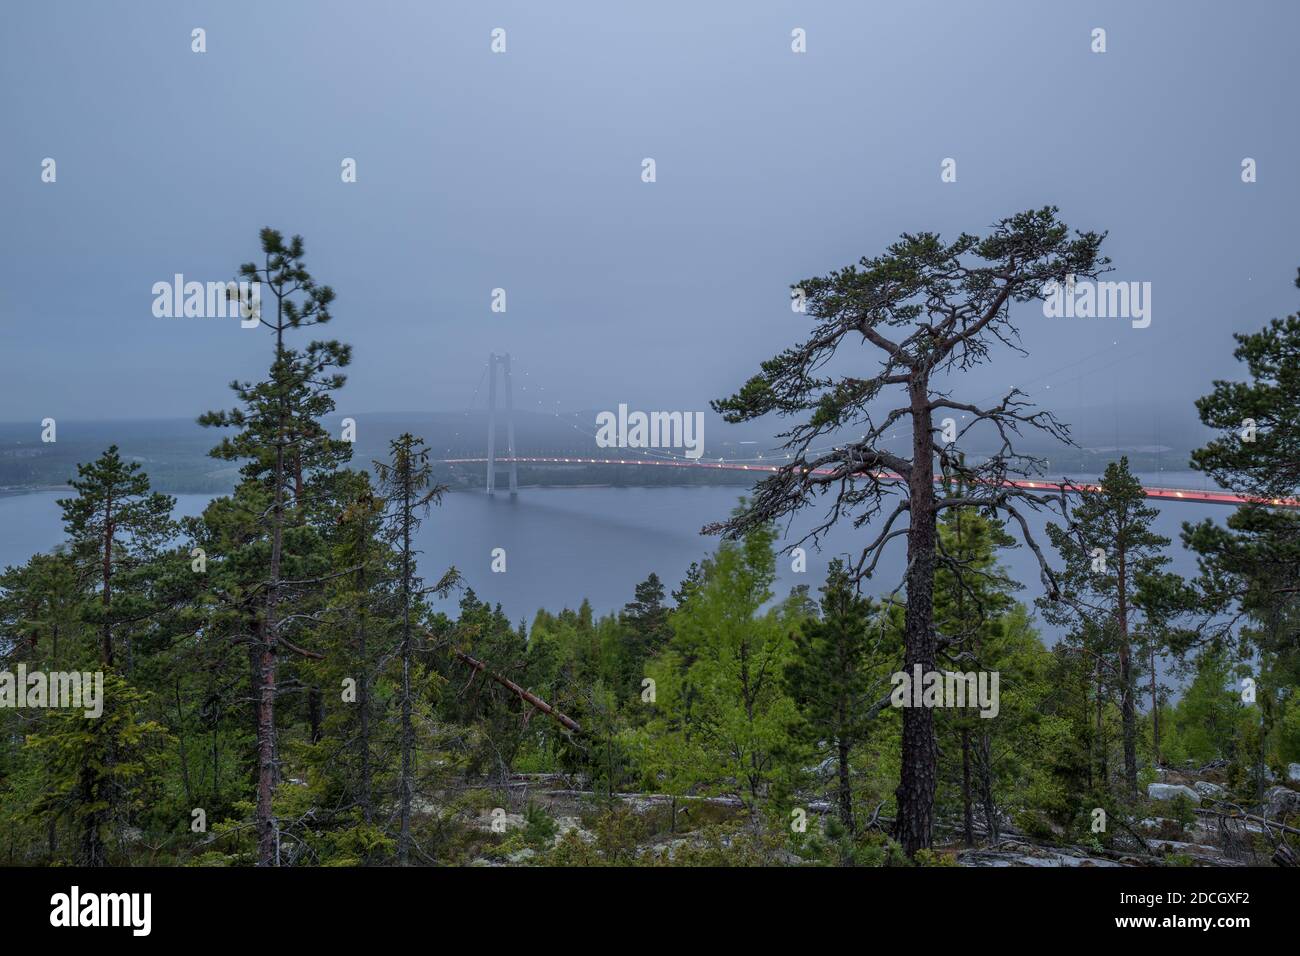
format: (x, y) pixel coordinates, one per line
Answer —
(523, 171)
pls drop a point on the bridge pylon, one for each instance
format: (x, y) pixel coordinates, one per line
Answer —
(504, 361)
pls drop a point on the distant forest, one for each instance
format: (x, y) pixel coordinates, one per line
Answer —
(277, 689)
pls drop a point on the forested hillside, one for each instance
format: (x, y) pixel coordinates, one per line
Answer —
(277, 689)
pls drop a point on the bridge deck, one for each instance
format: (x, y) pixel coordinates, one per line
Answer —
(1168, 494)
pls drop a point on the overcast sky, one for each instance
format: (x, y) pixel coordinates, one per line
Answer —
(523, 170)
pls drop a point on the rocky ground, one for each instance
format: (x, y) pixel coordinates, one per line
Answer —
(1192, 819)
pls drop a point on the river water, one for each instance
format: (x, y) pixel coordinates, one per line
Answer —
(565, 544)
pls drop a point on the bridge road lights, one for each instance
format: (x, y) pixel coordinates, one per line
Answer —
(504, 361)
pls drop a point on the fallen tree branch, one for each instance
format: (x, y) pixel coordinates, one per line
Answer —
(1240, 814)
(527, 697)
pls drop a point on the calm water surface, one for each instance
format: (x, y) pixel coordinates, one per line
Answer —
(566, 544)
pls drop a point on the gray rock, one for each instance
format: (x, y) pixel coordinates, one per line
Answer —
(1279, 801)
(1010, 853)
(1207, 789)
(519, 856)
(1161, 823)
(1293, 772)
(827, 768)
(1167, 791)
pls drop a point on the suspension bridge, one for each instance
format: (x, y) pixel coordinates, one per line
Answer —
(510, 460)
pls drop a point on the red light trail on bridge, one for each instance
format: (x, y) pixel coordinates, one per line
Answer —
(1165, 494)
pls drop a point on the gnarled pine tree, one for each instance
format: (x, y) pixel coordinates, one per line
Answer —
(931, 310)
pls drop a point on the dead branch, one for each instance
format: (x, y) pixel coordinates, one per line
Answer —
(527, 697)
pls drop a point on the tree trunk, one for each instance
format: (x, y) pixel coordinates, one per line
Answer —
(846, 793)
(263, 660)
(527, 697)
(264, 668)
(984, 765)
(367, 808)
(1085, 684)
(106, 597)
(914, 828)
(92, 842)
(180, 739)
(968, 817)
(1155, 710)
(404, 837)
(1128, 713)
(315, 713)
(1103, 757)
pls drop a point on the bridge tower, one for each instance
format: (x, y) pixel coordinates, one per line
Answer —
(504, 361)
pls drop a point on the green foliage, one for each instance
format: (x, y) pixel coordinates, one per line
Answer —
(103, 771)
(539, 827)
(723, 708)
(837, 666)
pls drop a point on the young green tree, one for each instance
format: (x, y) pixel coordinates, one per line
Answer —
(834, 674)
(1207, 714)
(644, 625)
(93, 789)
(737, 653)
(930, 310)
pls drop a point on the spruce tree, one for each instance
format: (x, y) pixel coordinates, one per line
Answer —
(834, 677)
(405, 483)
(644, 626)
(115, 523)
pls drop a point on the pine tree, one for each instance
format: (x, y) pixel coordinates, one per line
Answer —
(927, 309)
(1111, 556)
(1253, 564)
(282, 442)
